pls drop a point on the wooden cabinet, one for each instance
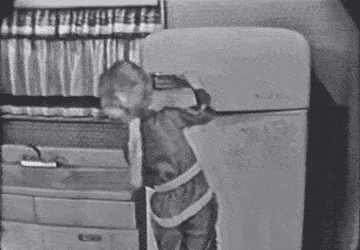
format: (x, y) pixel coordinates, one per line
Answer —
(20, 236)
(75, 208)
(86, 204)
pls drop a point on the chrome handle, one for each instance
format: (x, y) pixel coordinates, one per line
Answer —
(38, 161)
(166, 81)
(38, 164)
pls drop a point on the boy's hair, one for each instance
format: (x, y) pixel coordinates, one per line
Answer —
(122, 77)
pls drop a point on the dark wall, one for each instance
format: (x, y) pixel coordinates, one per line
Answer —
(350, 6)
(325, 204)
(7, 7)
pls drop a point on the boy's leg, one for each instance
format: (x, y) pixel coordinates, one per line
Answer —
(200, 230)
(167, 238)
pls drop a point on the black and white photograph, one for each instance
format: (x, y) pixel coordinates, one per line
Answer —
(179, 125)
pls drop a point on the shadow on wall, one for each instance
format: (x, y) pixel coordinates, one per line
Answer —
(351, 7)
(1, 177)
(7, 7)
(326, 172)
(325, 225)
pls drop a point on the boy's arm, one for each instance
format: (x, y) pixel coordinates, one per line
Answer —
(201, 113)
(203, 99)
(192, 117)
(196, 115)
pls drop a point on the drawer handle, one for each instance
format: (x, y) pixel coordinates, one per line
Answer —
(38, 161)
(89, 237)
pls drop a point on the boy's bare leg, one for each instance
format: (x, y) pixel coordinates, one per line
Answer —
(167, 238)
(200, 230)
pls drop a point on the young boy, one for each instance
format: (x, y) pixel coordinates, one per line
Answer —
(184, 209)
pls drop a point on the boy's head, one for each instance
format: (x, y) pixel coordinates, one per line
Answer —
(125, 90)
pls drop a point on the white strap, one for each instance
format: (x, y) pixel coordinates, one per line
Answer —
(186, 214)
(135, 152)
(180, 180)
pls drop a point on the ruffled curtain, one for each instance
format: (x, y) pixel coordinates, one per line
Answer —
(66, 68)
(63, 52)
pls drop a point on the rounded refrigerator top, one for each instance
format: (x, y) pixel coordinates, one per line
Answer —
(242, 68)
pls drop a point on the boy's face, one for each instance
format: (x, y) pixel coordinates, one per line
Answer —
(125, 94)
(124, 106)
(113, 108)
(131, 98)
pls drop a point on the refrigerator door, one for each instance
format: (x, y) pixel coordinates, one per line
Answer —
(256, 165)
(243, 68)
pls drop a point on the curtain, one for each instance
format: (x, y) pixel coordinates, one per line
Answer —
(48, 52)
(66, 68)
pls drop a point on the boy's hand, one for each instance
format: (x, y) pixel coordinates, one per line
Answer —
(202, 97)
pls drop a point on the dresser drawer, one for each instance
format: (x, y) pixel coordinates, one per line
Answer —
(20, 236)
(17, 207)
(66, 212)
(86, 183)
(86, 213)
(64, 133)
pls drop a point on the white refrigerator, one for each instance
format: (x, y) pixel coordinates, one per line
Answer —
(254, 151)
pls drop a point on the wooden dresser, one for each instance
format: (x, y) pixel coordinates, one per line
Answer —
(86, 204)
